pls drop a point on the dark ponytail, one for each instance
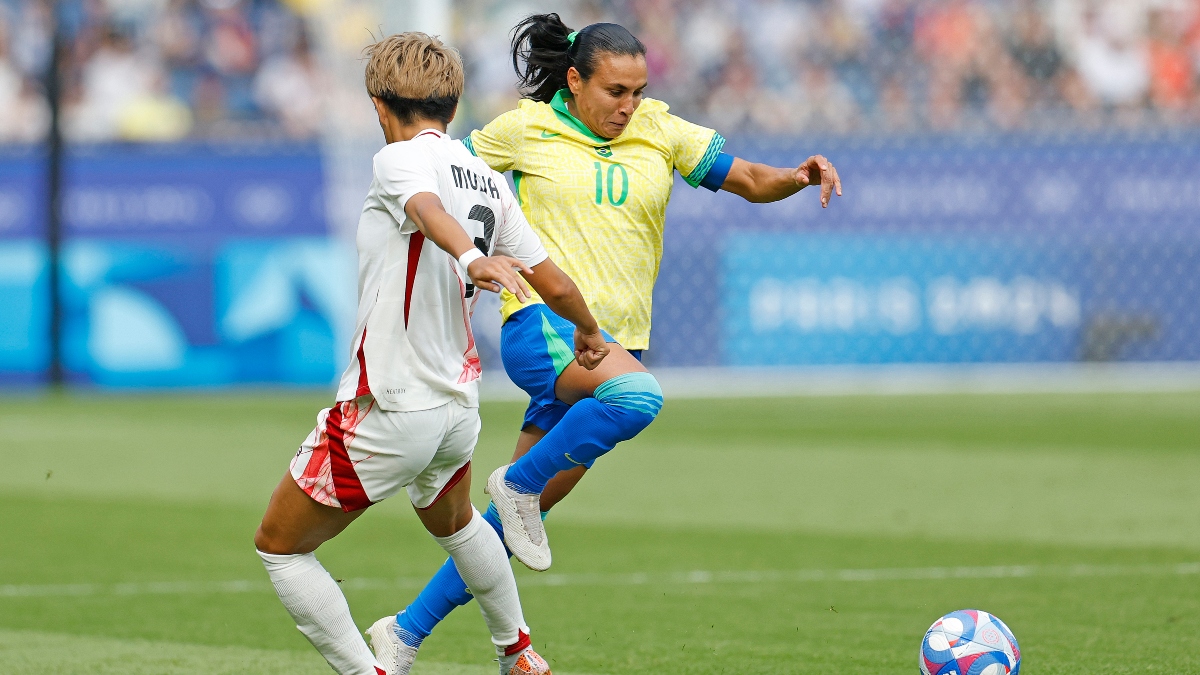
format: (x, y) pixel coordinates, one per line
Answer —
(542, 53)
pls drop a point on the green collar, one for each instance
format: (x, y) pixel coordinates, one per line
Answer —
(559, 104)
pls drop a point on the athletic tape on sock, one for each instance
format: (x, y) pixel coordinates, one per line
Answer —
(633, 391)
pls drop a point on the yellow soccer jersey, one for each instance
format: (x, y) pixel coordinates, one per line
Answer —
(599, 205)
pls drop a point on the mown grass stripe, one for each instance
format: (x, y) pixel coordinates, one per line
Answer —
(38, 653)
(634, 579)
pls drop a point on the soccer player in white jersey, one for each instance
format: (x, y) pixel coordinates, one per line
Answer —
(437, 225)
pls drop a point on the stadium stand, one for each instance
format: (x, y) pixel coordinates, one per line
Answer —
(161, 71)
(166, 70)
(847, 66)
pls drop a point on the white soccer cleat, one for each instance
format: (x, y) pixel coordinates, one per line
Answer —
(521, 516)
(396, 657)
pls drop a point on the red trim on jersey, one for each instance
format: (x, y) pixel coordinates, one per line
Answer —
(415, 243)
(458, 476)
(471, 366)
(521, 644)
(363, 387)
(347, 486)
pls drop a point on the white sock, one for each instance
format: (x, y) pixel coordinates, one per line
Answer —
(483, 564)
(320, 611)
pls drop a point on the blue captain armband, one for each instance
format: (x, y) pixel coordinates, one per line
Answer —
(715, 178)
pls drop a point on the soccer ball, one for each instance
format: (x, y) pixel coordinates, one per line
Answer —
(969, 642)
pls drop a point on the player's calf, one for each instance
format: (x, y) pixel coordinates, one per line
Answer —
(319, 609)
(618, 410)
(481, 560)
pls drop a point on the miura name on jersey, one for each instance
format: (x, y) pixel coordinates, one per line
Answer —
(469, 180)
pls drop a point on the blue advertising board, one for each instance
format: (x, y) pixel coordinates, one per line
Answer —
(205, 265)
(180, 266)
(942, 250)
(820, 299)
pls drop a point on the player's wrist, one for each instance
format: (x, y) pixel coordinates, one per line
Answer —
(470, 256)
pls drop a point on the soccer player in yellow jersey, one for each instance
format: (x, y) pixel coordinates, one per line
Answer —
(593, 163)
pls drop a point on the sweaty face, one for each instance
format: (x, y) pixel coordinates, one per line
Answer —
(606, 101)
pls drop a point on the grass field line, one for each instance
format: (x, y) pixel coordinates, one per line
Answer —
(38, 653)
(631, 579)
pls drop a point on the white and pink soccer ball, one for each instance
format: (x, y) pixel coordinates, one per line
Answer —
(969, 642)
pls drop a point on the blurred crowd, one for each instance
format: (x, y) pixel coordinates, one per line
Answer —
(788, 66)
(161, 70)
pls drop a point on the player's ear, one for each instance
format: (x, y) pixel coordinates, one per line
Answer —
(381, 109)
(574, 81)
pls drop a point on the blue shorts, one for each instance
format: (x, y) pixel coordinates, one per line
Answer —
(536, 345)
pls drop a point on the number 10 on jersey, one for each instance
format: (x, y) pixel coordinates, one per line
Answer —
(609, 181)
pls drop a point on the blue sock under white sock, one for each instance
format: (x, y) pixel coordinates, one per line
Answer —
(444, 592)
(619, 409)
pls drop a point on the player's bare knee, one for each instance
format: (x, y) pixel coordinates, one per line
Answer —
(266, 544)
(268, 540)
(448, 515)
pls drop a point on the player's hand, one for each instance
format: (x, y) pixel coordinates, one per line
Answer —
(493, 273)
(590, 348)
(817, 170)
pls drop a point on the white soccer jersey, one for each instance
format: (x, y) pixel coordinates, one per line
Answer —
(413, 348)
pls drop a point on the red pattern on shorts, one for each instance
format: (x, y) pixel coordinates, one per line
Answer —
(329, 476)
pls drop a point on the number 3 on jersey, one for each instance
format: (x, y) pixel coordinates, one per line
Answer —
(487, 217)
(612, 180)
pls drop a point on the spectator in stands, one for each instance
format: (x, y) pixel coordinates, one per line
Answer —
(735, 94)
(23, 111)
(1172, 77)
(231, 51)
(113, 77)
(154, 115)
(944, 37)
(1035, 52)
(233, 68)
(1112, 56)
(24, 115)
(176, 35)
(289, 88)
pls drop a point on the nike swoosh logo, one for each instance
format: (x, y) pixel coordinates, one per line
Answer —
(549, 134)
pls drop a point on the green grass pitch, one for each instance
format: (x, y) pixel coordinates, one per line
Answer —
(802, 535)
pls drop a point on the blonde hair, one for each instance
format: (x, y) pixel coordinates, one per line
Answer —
(416, 75)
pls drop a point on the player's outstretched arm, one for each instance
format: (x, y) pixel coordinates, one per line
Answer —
(489, 273)
(760, 183)
(562, 296)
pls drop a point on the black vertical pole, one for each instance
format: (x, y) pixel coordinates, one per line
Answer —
(54, 162)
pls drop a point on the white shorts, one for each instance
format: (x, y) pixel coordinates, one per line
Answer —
(359, 454)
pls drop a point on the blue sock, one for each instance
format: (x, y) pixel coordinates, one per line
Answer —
(492, 517)
(444, 592)
(619, 410)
